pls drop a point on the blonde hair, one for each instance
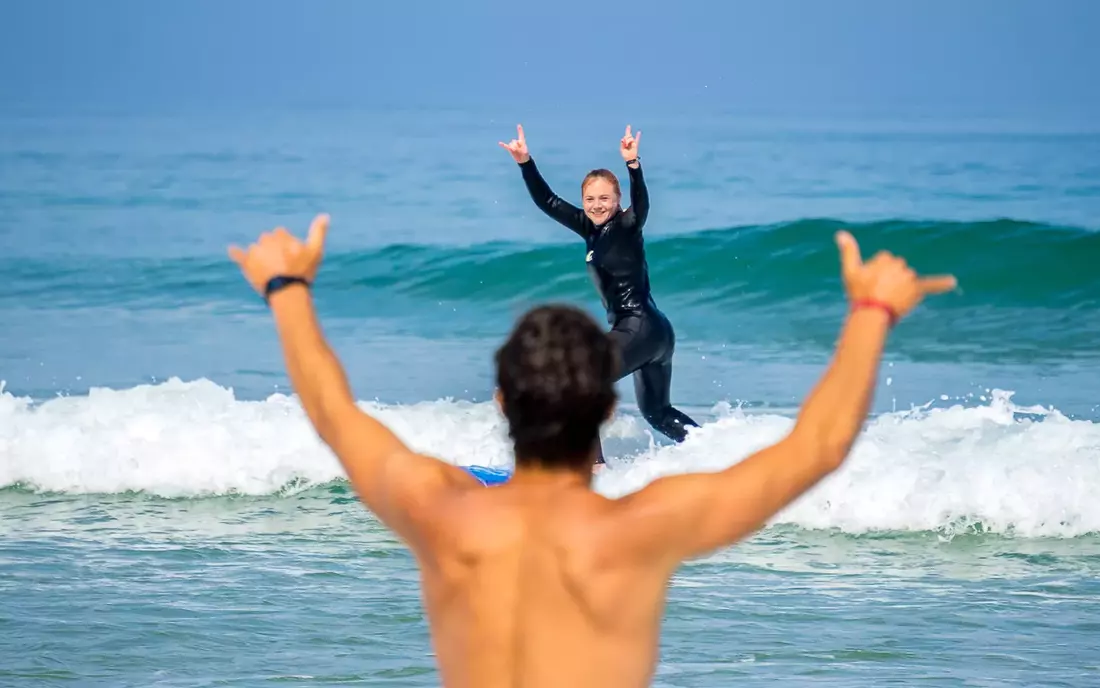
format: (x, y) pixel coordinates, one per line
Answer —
(606, 175)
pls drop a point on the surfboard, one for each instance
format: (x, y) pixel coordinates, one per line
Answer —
(489, 475)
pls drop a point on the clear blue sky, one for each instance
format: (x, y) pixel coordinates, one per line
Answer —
(796, 57)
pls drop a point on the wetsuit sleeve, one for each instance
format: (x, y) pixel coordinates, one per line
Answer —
(549, 202)
(639, 197)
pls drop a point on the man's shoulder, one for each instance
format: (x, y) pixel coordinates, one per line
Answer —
(506, 506)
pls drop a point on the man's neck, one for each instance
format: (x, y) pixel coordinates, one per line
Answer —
(535, 474)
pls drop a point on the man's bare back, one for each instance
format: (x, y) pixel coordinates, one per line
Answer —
(541, 581)
(525, 586)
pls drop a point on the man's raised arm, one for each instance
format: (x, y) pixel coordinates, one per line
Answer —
(683, 516)
(394, 482)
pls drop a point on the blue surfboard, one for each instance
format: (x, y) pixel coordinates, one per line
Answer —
(488, 475)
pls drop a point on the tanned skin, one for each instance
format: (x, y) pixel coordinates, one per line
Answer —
(542, 582)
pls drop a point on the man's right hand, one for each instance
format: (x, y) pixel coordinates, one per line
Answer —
(517, 146)
(886, 280)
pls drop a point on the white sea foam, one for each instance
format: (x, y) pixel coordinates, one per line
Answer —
(1030, 472)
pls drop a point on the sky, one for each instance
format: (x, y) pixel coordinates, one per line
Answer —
(756, 56)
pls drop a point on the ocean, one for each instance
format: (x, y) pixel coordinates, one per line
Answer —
(169, 518)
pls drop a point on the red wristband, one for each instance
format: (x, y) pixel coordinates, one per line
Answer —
(871, 303)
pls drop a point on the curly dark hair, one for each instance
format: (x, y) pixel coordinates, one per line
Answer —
(556, 376)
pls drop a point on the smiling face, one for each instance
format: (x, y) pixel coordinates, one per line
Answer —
(601, 196)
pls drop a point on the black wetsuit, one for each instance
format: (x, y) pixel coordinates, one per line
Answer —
(617, 264)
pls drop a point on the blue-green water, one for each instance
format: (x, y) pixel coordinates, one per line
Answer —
(167, 516)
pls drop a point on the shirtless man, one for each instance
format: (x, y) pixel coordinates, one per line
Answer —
(542, 581)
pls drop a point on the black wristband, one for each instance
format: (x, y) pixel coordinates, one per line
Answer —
(280, 282)
(631, 162)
